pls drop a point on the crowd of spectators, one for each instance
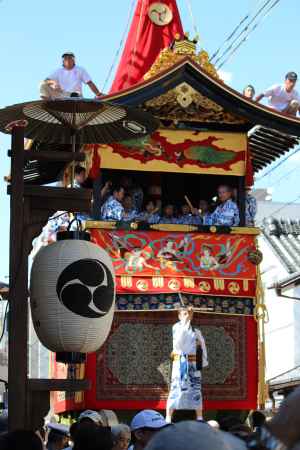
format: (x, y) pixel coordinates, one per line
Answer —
(149, 430)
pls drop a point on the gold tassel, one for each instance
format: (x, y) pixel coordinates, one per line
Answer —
(262, 317)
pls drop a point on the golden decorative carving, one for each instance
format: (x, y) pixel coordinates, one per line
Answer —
(180, 49)
(185, 103)
(233, 287)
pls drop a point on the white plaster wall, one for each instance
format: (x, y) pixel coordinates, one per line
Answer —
(280, 331)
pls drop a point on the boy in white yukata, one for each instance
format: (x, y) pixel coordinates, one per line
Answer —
(185, 391)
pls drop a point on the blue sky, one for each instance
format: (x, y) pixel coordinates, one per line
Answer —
(34, 34)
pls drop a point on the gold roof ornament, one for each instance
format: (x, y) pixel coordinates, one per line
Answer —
(181, 48)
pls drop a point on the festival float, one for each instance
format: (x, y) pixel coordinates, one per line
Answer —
(209, 135)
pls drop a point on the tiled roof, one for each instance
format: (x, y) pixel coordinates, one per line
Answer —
(283, 235)
(291, 376)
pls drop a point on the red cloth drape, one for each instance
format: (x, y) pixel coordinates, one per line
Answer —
(249, 170)
(144, 42)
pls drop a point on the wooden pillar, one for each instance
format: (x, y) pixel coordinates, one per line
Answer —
(18, 289)
(242, 200)
(97, 186)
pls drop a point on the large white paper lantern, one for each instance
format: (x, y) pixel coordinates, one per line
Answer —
(72, 296)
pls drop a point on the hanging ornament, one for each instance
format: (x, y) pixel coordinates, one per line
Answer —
(72, 295)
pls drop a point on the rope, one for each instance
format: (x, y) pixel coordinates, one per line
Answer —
(136, 39)
(120, 45)
(246, 37)
(194, 24)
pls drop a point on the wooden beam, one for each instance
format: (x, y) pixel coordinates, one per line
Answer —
(58, 385)
(53, 156)
(58, 199)
(18, 288)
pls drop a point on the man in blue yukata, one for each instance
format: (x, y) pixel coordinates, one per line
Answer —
(187, 217)
(250, 208)
(113, 209)
(168, 215)
(130, 213)
(227, 213)
(150, 214)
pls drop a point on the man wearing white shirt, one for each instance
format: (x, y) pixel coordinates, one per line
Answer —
(67, 80)
(283, 98)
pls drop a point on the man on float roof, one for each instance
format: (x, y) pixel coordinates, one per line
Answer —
(67, 80)
(283, 97)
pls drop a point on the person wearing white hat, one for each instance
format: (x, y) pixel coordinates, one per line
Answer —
(67, 80)
(192, 435)
(144, 426)
(90, 415)
(57, 437)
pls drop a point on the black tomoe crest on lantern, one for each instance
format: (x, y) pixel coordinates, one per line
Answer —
(86, 288)
(72, 295)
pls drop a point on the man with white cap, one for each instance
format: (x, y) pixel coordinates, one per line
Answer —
(144, 426)
(67, 80)
(90, 416)
(193, 435)
(58, 436)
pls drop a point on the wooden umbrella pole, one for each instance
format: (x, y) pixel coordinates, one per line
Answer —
(73, 139)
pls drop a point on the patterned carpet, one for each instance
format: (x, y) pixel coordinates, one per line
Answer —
(134, 364)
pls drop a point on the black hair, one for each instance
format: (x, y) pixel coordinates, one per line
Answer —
(117, 188)
(180, 415)
(229, 188)
(258, 419)
(73, 429)
(99, 438)
(19, 440)
(249, 86)
(55, 437)
(79, 169)
(149, 199)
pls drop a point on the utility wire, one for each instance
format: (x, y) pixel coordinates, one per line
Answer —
(248, 34)
(278, 180)
(278, 165)
(194, 24)
(244, 30)
(230, 36)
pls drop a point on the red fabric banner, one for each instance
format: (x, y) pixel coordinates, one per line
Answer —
(205, 286)
(174, 254)
(153, 28)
